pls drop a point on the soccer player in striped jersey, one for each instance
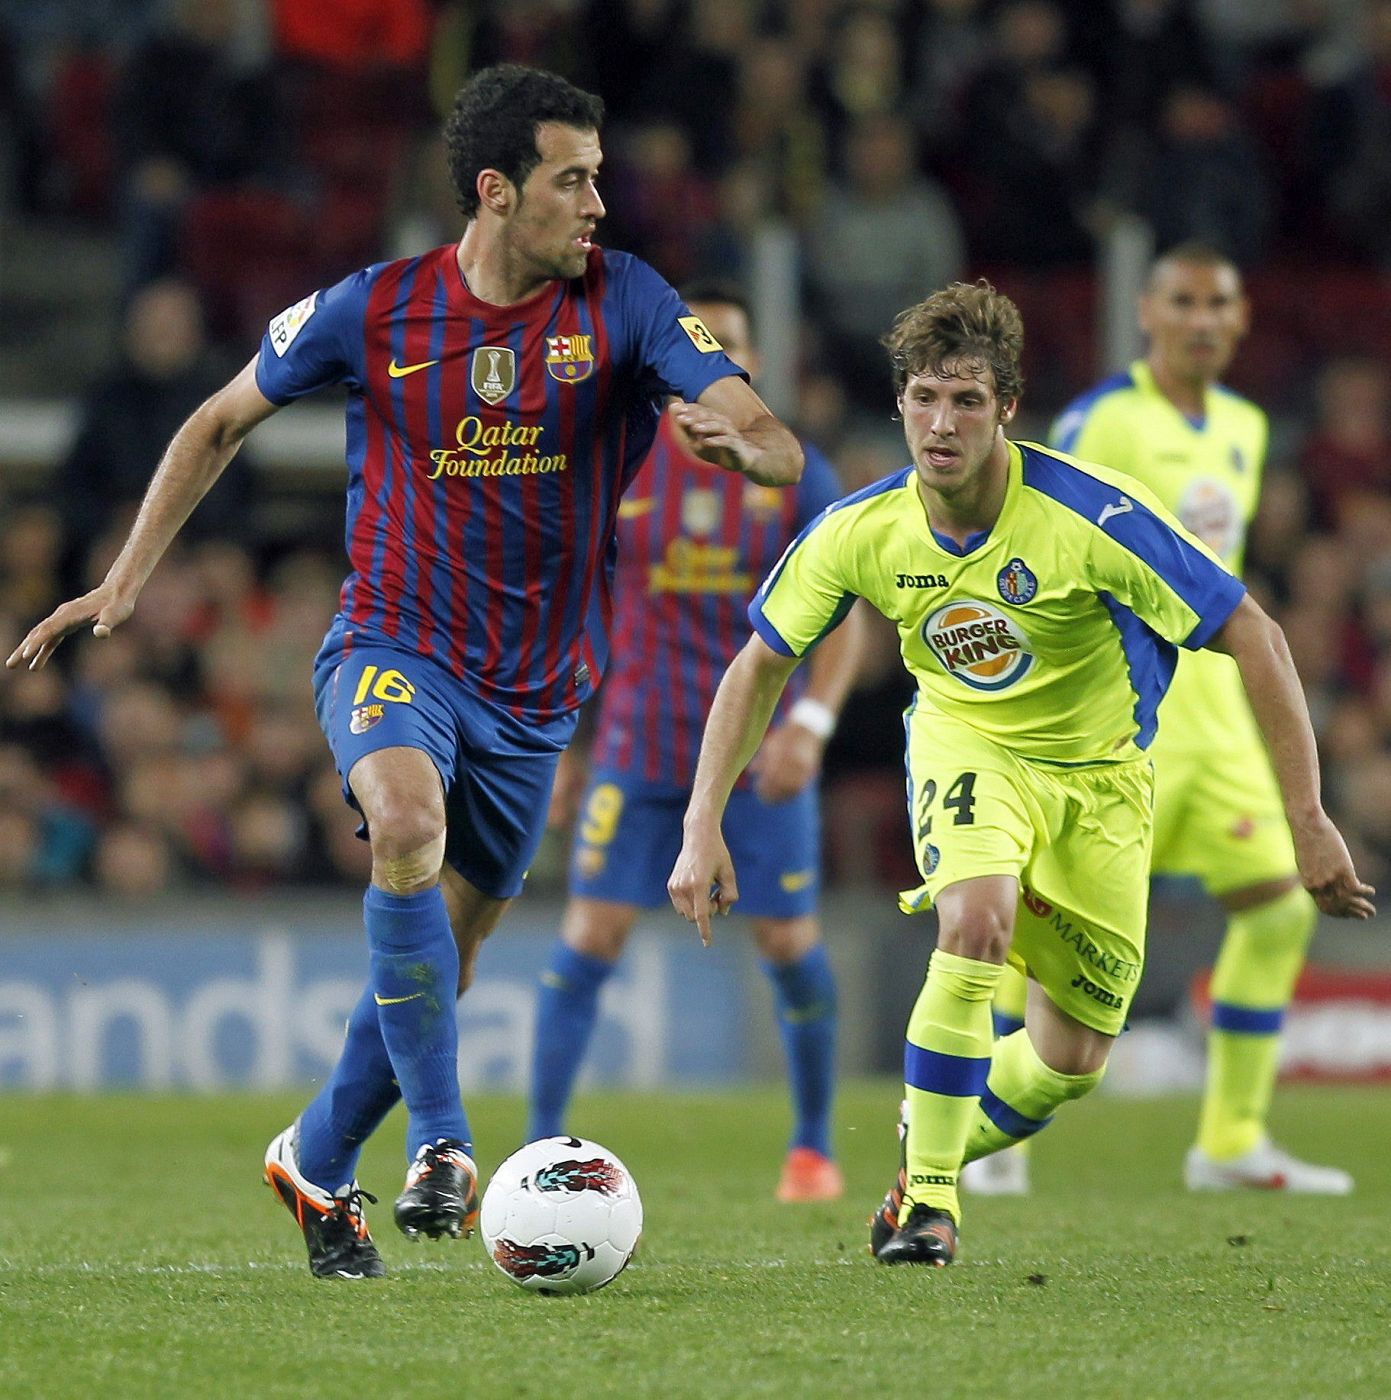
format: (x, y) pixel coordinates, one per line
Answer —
(502, 393)
(693, 543)
(1040, 601)
(1169, 422)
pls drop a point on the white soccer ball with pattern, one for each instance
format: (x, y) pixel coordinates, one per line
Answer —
(561, 1215)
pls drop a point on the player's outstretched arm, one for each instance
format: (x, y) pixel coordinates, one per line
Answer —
(192, 462)
(790, 757)
(732, 427)
(703, 877)
(1277, 699)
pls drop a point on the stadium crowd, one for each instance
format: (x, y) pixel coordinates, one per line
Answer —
(239, 153)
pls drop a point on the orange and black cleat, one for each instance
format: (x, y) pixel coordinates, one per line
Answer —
(927, 1237)
(441, 1193)
(335, 1229)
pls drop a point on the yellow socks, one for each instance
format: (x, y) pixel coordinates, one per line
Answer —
(1251, 986)
(945, 1062)
(1020, 1095)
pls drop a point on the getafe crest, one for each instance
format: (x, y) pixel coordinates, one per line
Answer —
(1016, 583)
(978, 644)
(700, 511)
(569, 358)
(493, 372)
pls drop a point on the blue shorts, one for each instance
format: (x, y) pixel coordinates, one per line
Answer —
(629, 835)
(497, 770)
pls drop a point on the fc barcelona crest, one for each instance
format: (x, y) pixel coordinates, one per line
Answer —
(700, 511)
(569, 358)
(1016, 583)
(493, 372)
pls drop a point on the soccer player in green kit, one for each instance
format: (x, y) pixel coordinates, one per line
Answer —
(1168, 422)
(1040, 602)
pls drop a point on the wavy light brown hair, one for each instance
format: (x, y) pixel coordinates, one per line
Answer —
(964, 328)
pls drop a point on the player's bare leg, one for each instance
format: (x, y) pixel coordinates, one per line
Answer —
(1268, 930)
(806, 1011)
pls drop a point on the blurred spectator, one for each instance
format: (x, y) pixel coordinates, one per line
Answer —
(1346, 459)
(128, 418)
(1206, 180)
(189, 116)
(50, 837)
(133, 862)
(861, 74)
(353, 33)
(776, 132)
(882, 240)
(951, 45)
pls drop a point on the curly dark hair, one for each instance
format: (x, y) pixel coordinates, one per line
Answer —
(493, 124)
(964, 326)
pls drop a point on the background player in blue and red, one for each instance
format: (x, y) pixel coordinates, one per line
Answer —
(502, 392)
(693, 544)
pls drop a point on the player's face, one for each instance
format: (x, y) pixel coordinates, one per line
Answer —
(730, 326)
(1195, 316)
(952, 420)
(558, 204)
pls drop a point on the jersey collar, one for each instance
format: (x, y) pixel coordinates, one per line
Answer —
(978, 539)
(1143, 376)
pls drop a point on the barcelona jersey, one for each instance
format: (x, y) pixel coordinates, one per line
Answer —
(694, 542)
(487, 448)
(1054, 632)
(1207, 471)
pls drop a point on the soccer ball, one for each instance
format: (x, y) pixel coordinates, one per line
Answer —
(561, 1215)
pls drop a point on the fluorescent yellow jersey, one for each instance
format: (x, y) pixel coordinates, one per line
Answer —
(1053, 633)
(1209, 475)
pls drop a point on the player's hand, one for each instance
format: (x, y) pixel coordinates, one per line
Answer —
(702, 880)
(715, 439)
(1327, 871)
(786, 762)
(101, 607)
(571, 774)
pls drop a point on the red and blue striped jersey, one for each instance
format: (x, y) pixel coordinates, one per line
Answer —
(487, 448)
(694, 544)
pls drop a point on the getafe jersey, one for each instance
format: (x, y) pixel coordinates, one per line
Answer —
(1208, 473)
(693, 543)
(1054, 633)
(487, 447)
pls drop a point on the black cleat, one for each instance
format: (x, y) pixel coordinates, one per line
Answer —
(335, 1229)
(441, 1193)
(884, 1222)
(927, 1237)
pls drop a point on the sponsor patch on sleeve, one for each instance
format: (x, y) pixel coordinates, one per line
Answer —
(699, 334)
(286, 326)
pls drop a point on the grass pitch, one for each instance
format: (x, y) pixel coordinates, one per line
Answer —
(141, 1257)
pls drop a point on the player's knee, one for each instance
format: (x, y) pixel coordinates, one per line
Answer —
(407, 856)
(785, 940)
(981, 932)
(597, 930)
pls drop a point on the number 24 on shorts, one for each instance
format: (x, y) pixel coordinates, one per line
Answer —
(959, 799)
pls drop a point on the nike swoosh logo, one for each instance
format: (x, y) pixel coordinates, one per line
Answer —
(630, 510)
(395, 1001)
(1120, 509)
(401, 371)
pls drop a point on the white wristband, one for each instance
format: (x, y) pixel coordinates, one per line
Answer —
(813, 715)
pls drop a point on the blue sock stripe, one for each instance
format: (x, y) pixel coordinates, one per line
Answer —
(1009, 1120)
(959, 1076)
(1246, 1020)
(1005, 1024)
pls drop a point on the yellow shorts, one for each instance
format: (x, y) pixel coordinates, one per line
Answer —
(1077, 840)
(1218, 815)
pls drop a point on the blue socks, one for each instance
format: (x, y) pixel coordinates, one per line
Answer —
(805, 1000)
(359, 1093)
(415, 981)
(566, 1008)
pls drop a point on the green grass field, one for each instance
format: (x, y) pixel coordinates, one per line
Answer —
(140, 1256)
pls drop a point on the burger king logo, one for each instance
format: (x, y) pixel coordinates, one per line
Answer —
(978, 644)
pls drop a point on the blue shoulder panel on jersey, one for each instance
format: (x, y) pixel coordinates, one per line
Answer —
(1205, 586)
(1068, 427)
(1150, 660)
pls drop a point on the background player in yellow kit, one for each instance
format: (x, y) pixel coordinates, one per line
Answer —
(1039, 602)
(1169, 423)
